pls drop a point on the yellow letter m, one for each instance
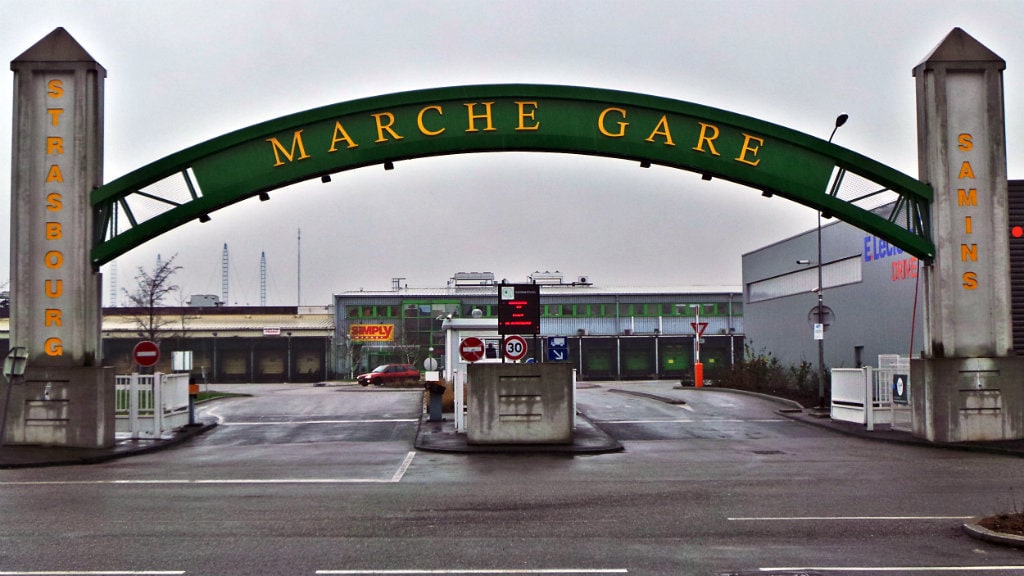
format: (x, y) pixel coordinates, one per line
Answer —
(279, 150)
(966, 197)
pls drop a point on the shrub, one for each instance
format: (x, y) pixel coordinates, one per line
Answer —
(761, 372)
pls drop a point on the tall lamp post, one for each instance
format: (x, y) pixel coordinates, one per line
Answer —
(820, 336)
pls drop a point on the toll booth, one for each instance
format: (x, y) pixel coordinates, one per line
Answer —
(456, 368)
(539, 412)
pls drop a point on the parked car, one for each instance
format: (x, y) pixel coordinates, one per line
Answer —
(390, 374)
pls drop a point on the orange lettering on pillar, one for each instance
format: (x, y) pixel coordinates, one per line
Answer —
(54, 174)
(52, 317)
(53, 347)
(970, 280)
(967, 198)
(54, 288)
(966, 171)
(54, 145)
(55, 88)
(54, 115)
(965, 142)
(53, 231)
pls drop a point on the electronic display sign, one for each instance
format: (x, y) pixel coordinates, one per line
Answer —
(518, 309)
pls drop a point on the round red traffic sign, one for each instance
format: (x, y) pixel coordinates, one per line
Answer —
(146, 353)
(515, 347)
(471, 349)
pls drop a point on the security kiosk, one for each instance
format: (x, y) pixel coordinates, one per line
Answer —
(456, 364)
(543, 414)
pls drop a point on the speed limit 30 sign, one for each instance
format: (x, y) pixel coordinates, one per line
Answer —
(515, 348)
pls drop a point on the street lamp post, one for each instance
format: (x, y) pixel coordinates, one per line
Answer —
(288, 374)
(214, 357)
(840, 120)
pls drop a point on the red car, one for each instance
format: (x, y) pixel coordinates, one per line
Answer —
(390, 374)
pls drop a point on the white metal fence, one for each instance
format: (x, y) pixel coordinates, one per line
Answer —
(889, 387)
(150, 405)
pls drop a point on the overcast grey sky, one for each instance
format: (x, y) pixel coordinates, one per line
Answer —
(181, 72)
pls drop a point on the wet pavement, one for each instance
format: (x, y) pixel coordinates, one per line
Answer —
(588, 438)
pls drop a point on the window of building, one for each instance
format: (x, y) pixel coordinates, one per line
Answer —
(833, 274)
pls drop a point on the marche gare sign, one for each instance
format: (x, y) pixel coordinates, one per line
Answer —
(541, 119)
(503, 117)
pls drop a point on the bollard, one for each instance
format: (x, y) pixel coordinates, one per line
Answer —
(698, 374)
(193, 391)
(436, 393)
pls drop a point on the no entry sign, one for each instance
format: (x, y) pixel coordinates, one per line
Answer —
(471, 349)
(146, 353)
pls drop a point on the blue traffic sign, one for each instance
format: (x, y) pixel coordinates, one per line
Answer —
(558, 349)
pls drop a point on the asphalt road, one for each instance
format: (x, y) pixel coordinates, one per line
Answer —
(300, 480)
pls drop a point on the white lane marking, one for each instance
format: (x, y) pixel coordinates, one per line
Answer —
(842, 518)
(900, 569)
(480, 571)
(298, 422)
(686, 407)
(661, 421)
(213, 412)
(93, 572)
(201, 481)
(397, 477)
(693, 421)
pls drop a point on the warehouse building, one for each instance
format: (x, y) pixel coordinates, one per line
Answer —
(873, 300)
(628, 333)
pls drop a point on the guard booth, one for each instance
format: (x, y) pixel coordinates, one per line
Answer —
(505, 403)
(456, 368)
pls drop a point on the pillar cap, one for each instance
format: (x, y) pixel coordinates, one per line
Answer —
(57, 46)
(958, 50)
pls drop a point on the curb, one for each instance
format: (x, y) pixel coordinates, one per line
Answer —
(186, 433)
(604, 445)
(976, 530)
(792, 404)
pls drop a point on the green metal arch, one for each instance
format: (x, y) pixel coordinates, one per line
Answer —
(193, 183)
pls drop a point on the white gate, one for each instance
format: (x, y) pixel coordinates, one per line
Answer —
(874, 395)
(892, 378)
(150, 405)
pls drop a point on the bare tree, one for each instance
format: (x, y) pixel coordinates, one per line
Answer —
(151, 289)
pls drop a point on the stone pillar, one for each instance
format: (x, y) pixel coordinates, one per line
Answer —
(57, 160)
(963, 389)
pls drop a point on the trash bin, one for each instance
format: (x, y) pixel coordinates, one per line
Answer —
(436, 393)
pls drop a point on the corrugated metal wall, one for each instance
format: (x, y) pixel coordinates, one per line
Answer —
(1016, 210)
